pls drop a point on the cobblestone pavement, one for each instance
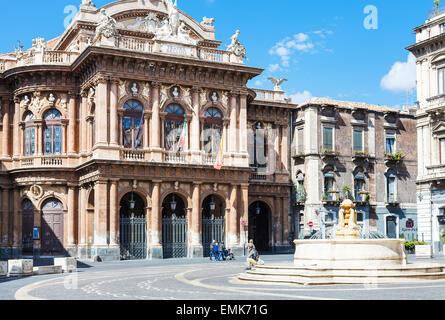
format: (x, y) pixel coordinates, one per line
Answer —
(196, 279)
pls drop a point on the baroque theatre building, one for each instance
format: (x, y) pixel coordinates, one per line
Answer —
(132, 136)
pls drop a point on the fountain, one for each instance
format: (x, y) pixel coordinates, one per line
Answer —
(346, 258)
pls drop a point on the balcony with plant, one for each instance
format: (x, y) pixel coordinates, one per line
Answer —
(394, 157)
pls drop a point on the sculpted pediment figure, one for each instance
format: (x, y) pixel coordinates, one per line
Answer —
(106, 27)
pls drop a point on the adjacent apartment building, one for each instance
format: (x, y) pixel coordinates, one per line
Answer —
(365, 152)
(429, 51)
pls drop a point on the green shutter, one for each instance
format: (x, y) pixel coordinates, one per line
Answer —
(358, 140)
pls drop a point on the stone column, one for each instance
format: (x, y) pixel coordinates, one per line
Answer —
(17, 224)
(5, 240)
(244, 212)
(145, 131)
(71, 216)
(156, 215)
(102, 113)
(39, 137)
(286, 229)
(16, 128)
(284, 148)
(114, 125)
(195, 134)
(72, 125)
(155, 141)
(100, 214)
(83, 132)
(232, 234)
(233, 131)
(83, 229)
(277, 224)
(243, 128)
(196, 226)
(114, 215)
(64, 136)
(5, 141)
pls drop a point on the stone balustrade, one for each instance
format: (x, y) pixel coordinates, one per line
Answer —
(434, 103)
(269, 95)
(132, 155)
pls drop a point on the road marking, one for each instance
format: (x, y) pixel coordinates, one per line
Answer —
(181, 277)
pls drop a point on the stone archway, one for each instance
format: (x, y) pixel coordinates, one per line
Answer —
(213, 222)
(260, 225)
(133, 227)
(174, 227)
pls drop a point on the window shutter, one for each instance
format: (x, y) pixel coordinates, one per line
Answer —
(358, 140)
(327, 139)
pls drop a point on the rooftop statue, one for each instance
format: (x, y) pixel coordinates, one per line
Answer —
(207, 22)
(236, 47)
(277, 83)
(173, 16)
(106, 27)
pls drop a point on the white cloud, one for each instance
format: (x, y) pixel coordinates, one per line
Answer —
(401, 77)
(274, 67)
(301, 97)
(299, 42)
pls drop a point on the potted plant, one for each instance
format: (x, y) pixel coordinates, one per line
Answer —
(347, 191)
(324, 197)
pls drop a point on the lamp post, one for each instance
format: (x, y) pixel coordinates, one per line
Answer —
(245, 228)
(173, 204)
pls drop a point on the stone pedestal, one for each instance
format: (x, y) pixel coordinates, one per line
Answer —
(67, 264)
(22, 267)
(101, 254)
(156, 252)
(424, 252)
(47, 270)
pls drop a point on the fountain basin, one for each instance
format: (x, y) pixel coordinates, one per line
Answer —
(350, 253)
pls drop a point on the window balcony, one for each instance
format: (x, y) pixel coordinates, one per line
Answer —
(172, 157)
(332, 197)
(132, 155)
(393, 158)
(44, 161)
(391, 200)
(209, 159)
(360, 156)
(329, 154)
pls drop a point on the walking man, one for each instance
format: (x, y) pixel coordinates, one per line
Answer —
(212, 245)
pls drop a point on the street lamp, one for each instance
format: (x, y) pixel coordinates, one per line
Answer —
(212, 204)
(173, 203)
(258, 209)
(132, 202)
(245, 227)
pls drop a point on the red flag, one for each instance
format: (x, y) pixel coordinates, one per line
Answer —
(183, 135)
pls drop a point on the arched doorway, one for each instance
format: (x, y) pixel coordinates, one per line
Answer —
(133, 227)
(52, 228)
(259, 225)
(174, 227)
(27, 227)
(213, 222)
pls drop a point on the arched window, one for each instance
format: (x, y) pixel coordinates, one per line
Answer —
(213, 130)
(53, 133)
(30, 135)
(132, 125)
(173, 127)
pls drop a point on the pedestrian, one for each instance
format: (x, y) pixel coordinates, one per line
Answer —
(251, 242)
(252, 257)
(220, 251)
(223, 250)
(212, 245)
(215, 251)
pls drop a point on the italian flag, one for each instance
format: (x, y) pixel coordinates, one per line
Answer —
(183, 135)
(220, 159)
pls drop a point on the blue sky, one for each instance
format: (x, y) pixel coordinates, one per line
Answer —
(320, 46)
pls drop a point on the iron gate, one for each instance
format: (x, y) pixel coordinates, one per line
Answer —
(212, 229)
(174, 237)
(133, 234)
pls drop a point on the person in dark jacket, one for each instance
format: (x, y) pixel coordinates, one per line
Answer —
(252, 257)
(212, 253)
(222, 249)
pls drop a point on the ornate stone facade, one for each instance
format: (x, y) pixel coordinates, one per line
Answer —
(117, 124)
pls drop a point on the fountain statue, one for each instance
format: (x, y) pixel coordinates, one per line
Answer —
(347, 226)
